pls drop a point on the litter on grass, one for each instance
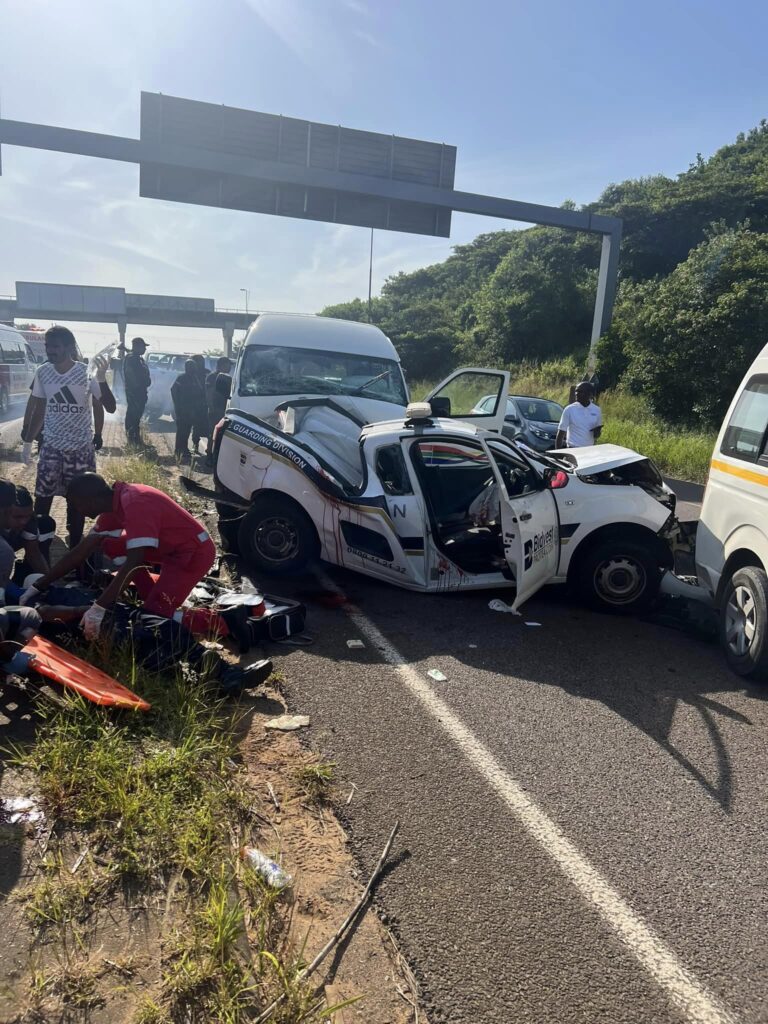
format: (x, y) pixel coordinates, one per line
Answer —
(355, 644)
(287, 723)
(269, 870)
(15, 809)
(497, 605)
(437, 675)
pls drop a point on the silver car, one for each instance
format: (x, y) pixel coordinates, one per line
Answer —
(530, 420)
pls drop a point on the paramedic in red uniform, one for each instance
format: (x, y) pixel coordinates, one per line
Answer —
(149, 528)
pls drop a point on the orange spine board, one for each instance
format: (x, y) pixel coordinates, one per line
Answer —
(55, 663)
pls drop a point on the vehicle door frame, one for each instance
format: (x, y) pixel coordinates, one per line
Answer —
(533, 555)
(493, 421)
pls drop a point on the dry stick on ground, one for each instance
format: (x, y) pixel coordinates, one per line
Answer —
(337, 936)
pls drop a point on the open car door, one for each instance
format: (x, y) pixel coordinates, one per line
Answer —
(529, 521)
(474, 395)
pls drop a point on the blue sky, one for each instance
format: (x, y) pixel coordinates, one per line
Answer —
(545, 101)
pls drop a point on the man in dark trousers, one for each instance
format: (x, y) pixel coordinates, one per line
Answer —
(188, 398)
(137, 381)
(200, 421)
(218, 387)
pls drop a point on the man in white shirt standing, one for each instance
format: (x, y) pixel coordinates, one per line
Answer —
(581, 422)
(61, 405)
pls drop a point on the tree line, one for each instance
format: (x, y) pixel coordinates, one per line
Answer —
(692, 306)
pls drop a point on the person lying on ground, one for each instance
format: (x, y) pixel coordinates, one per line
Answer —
(61, 405)
(154, 529)
(28, 533)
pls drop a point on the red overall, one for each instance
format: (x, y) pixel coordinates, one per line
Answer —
(143, 517)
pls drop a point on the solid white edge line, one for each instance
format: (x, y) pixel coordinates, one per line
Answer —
(685, 992)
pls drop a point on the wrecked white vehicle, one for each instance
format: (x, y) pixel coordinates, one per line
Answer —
(438, 500)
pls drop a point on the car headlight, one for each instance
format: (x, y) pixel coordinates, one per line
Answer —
(540, 433)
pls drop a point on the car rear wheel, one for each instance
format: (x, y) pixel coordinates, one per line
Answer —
(277, 536)
(744, 623)
(619, 576)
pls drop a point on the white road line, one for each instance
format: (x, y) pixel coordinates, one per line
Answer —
(685, 992)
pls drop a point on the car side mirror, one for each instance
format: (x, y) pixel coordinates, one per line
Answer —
(513, 420)
(440, 406)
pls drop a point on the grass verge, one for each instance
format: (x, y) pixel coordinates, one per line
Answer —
(160, 806)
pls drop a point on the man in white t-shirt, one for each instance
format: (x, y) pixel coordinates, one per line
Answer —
(61, 405)
(581, 422)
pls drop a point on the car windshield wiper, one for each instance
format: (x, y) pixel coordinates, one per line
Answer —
(362, 387)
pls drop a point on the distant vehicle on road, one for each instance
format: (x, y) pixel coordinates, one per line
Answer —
(164, 368)
(436, 499)
(17, 369)
(530, 420)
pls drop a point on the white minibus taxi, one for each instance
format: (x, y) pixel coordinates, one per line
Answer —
(732, 536)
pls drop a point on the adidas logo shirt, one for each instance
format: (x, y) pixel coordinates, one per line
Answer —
(68, 423)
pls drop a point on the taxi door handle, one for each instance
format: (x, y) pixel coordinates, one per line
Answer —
(525, 516)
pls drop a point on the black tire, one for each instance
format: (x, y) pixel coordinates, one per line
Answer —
(277, 537)
(230, 519)
(618, 576)
(744, 623)
(4, 401)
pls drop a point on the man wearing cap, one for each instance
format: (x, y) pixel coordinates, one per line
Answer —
(147, 527)
(137, 381)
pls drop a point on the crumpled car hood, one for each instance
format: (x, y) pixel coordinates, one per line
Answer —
(598, 457)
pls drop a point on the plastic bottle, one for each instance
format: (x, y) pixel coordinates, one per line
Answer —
(271, 872)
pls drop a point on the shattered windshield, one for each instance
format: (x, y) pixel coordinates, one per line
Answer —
(273, 370)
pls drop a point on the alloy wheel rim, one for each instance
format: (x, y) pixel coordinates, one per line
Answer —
(620, 580)
(740, 621)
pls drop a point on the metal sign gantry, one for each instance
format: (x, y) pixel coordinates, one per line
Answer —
(230, 171)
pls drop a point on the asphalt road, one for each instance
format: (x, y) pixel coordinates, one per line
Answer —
(589, 743)
(582, 803)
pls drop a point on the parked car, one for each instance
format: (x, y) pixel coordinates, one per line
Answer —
(437, 499)
(17, 369)
(530, 420)
(289, 356)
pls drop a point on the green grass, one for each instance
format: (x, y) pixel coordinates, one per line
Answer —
(159, 797)
(137, 469)
(628, 419)
(316, 780)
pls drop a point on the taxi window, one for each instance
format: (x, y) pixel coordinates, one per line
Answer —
(391, 470)
(744, 437)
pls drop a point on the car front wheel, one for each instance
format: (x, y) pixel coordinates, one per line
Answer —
(277, 536)
(619, 576)
(744, 623)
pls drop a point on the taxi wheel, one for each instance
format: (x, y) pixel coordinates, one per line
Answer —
(744, 623)
(619, 576)
(277, 536)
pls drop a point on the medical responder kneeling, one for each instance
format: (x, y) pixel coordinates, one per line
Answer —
(146, 527)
